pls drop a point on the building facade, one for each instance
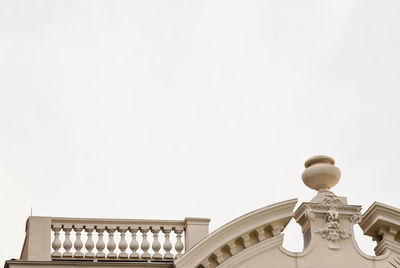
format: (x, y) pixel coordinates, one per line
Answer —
(251, 241)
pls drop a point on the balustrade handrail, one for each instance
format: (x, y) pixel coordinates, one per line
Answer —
(43, 240)
(117, 222)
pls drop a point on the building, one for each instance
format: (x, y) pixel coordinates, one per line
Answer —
(251, 241)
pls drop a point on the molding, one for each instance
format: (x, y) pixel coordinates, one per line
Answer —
(14, 263)
(248, 253)
(318, 208)
(378, 214)
(366, 256)
(382, 223)
(276, 214)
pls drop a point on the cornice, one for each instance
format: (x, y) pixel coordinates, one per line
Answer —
(379, 214)
(278, 214)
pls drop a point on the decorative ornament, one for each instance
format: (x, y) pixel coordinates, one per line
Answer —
(332, 231)
(356, 218)
(332, 200)
(309, 214)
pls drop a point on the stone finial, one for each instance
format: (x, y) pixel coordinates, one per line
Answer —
(320, 174)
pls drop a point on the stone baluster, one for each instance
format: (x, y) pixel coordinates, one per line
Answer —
(167, 243)
(179, 243)
(67, 245)
(134, 245)
(122, 245)
(89, 245)
(145, 244)
(78, 245)
(156, 246)
(56, 245)
(111, 243)
(100, 245)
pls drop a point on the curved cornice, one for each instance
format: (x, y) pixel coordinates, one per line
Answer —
(248, 253)
(276, 216)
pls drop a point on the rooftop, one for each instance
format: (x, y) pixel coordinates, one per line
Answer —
(251, 240)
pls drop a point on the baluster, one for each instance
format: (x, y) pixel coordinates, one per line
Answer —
(111, 243)
(89, 245)
(122, 245)
(134, 245)
(56, 245)
(179, 244)
(145, 244)
(78, 245)
(67, 245)
(156, 246)
(100, 245)
(167, 244)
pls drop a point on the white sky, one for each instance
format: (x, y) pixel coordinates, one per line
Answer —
(168, 109)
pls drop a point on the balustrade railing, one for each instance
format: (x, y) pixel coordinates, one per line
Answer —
(108, 239)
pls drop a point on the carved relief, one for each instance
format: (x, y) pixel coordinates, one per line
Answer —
(332, 200)
(346, 208)
(356, 218)
(309, 214)
(332, 230)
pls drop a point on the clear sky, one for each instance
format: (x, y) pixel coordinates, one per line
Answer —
(168, 109)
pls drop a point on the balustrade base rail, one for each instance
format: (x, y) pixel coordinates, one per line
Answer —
(112, 260)
(69, 264)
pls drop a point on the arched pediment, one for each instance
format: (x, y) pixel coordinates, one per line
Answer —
(260, 226)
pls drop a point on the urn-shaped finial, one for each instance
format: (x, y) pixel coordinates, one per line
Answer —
(321, 174)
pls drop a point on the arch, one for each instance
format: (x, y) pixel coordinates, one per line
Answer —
(253, 228)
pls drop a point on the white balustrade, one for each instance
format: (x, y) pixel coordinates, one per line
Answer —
(89, 245)
(122, 245)
(111, 243)
(67, 245)
(134, 245)
(110, 239)
(179, 243)
(145, 244)
(56, 245)
(78, 245)
(100, 245)
(167, 244)
(156, 246)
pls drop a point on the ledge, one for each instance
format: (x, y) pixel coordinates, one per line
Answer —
(14, 263)
(379, 215)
